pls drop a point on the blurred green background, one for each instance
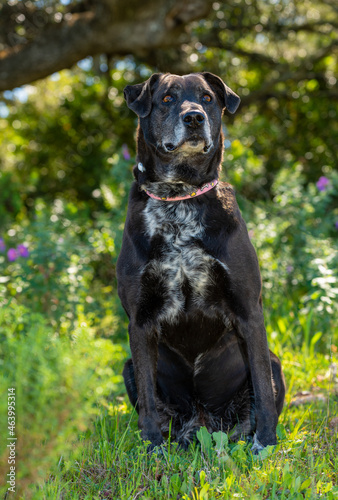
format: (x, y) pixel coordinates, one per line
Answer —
(66, 155)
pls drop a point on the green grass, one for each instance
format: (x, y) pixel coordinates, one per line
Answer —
(114, 464)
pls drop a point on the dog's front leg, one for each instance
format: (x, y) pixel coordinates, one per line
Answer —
(144, 350)
(253, 332)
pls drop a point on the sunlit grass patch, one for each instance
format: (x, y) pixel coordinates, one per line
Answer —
(304, 464)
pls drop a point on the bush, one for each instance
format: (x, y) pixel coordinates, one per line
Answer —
(61, 261)
(294, 235)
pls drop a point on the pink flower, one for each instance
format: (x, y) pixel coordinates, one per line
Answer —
(23, 250)
(2, 245)
(12, 254)
(322, 183)
(125, 152)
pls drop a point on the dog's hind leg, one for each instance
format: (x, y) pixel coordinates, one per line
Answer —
(174, 379)
(129, 380)
(220, 373)
(278, 382)
(223, 384)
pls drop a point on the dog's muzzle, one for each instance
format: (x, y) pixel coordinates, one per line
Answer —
(192, 134)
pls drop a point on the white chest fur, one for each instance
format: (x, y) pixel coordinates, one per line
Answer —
(184, 260)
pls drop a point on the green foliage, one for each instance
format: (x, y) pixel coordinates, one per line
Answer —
(66, 156)
(70, 270)
(58, 384)
(294, 235)
(285, 75)
(64, 144)
(116, 464)
(11, 201)
(71, 214)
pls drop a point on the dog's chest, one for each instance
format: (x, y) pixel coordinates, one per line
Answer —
(182, 264)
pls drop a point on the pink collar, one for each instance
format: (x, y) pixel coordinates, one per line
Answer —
(202, 190)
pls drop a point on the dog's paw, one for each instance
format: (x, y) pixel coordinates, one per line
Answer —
(150, 432)
(155, 443)
(257, 446)
(157, 450)
(259, 450)
(184, 444)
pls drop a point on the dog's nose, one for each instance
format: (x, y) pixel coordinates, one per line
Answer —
(193, 119)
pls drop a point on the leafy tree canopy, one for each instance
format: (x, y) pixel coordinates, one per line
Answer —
(280, 57)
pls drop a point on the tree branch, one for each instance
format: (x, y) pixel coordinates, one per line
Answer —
(58, 47)
(107, 26)
(269, 88)
(212, 39)
(277, 28)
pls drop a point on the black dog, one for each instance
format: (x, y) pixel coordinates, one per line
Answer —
(188, 276)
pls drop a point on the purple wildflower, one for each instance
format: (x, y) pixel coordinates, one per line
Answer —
(289, 269)
(336, 224)
(12, 254)
(322, 183)
(125, 152)
(22, 250)
(2, 245)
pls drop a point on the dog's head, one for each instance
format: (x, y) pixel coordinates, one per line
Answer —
(180, 123)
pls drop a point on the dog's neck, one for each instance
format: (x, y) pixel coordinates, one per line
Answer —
(192, 194)
(170, 177)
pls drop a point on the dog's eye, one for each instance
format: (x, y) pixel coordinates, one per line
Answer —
(206, 98)
(168, 98)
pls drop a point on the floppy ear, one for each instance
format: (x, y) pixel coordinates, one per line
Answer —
(228, 98)
(138, 96)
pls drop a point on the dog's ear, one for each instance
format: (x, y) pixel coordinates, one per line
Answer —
(228, 98)
(138, 96)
